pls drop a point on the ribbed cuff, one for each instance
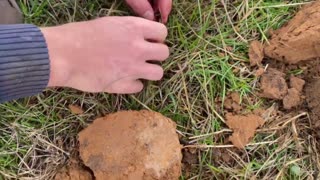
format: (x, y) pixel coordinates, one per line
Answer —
(24, 61)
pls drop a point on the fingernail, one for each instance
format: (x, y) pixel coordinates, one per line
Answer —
(148, 15)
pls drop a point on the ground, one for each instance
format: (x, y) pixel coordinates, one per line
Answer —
(209, 43)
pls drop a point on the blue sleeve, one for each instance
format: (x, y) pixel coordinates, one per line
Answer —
(24, 61)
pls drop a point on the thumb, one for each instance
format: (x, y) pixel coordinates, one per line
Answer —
(142, 8)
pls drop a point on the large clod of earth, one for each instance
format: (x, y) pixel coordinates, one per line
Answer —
(299, 39)
(132, 145)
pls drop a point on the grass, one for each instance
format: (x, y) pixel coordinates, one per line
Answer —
(209, 45)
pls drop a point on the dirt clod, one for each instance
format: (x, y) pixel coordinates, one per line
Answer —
(244, 127)
(273, 85)
(76, 109)
(73, 172)
(256, 53)
(189, 157)
(292, 99)
(259, 72)
(236, 97)
(299, 40)
(297, 83)
(132, 145)
(232, 102)
(313, 95)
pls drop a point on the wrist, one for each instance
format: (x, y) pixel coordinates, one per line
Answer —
(58, 64)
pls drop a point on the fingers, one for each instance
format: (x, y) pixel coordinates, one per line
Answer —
(128, 86)
(151, 72)
(155, 51)
(142, 8)
(165, 7)
(153, 31)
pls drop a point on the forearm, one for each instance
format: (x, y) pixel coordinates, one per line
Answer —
(24, 62)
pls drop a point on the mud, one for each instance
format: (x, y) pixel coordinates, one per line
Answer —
(132, 145)
(299, 39)
(244, 127)
(273, 84)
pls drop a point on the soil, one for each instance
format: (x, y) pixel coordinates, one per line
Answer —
(74, 171)
(299, 39)
(232, 102)
(297, 83)
(273, 84)
(244, 127)
(313, 95)
(292, 99)
(293, 66)
(132, 145)
(256, 53)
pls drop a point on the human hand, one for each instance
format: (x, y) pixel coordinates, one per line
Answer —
(106, 55)
(147, 9)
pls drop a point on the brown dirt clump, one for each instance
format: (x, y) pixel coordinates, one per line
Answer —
(273, 84)
(297, 83)
(232, 102)
(132, 145)
(244, 127)
(312, 96)
(256, 53)
(73, 172)
(292, 99)
(299, 40)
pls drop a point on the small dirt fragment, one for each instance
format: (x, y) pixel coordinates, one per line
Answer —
(223, 156)
(76, 109)
(189, 157)
(236, 107)
(243, 127)
(236, 97)
(232, 102)
(73, 172)
(259, 72)
(228, 104)
(299, 39)
(132, 145)
(273, 85)
(297, 83)
(256, 54)
(292, 99)
(259, 112)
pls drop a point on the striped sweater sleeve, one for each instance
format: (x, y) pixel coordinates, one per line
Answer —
(24, 61)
